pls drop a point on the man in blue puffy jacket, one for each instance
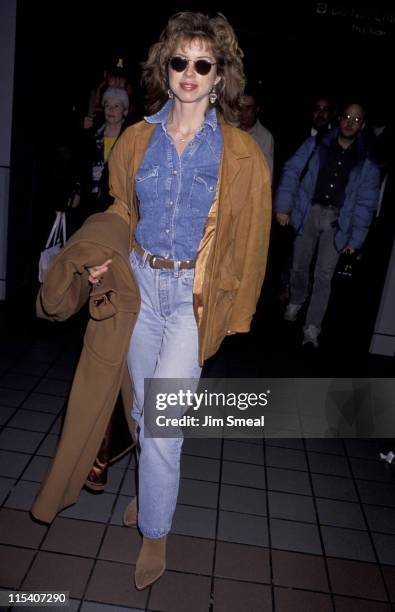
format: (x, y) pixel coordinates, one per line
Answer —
(328, 192)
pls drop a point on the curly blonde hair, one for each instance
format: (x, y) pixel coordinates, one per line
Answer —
(221, 38)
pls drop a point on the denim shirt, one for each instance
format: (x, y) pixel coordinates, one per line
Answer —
(175, 192)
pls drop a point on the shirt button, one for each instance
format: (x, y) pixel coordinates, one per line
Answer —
(327, 197)
(171, 202)
(167, 231)
(332, 185)
(174, 171)
(339, 163)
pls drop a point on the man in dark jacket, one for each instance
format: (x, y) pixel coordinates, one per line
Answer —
(328, 192)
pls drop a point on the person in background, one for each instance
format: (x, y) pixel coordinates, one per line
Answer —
(191, 213)
(93, 151)
(328, 192)
(249, 122)
(321, 116)
(115, 76)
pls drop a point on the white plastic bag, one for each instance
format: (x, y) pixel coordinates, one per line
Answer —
(56, 240)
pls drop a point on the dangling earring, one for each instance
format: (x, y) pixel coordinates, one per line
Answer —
(213, 96)
(170, 94)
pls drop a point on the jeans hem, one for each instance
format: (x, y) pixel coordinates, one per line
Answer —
(153, 533)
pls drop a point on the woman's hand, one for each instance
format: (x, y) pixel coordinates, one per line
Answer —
(96, 273)
(282, 218)
(349, 250)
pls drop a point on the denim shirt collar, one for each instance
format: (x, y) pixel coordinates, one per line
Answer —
(162, 116)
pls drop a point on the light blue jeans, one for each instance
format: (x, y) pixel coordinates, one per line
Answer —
(164, 344)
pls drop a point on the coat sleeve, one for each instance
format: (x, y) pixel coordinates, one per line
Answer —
(251, 234)
(367, 198)
(290, 177)
(63, 293)
(120, 163)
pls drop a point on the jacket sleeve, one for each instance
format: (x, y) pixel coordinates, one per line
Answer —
(66, 286)
(290, 177)
(63, 293)
(251, 235)
(367, 198)
(120, 163)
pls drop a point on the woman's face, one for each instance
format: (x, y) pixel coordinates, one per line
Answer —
(114, 111)
(188, 85)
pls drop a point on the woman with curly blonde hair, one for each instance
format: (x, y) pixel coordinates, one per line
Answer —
(192, 197)
(197, 282)
(220, 37)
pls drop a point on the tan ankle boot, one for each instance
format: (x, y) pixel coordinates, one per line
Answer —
(151, 562)
(130, 514)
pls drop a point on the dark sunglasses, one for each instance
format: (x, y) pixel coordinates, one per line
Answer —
(179, 64)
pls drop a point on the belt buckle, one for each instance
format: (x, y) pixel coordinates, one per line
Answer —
(152, 261)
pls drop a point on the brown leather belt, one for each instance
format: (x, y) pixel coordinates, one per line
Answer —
(157, 262)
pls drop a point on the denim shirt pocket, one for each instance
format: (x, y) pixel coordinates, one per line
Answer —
(146, 181)
(204, 185)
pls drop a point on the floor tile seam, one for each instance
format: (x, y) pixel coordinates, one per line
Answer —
(220, 541)
(223, 459)
(378, 505)
(320, 534)
(334, 593)
(15, 484)
(31, 410)
(26, 574)
(368, 599)
(50, 394)
(222, 482)
(217, 515)
(243, 463)
(269, 532)
(88, 580)
(68, 379)
(45, 434)
(290, 469)
(39, 380)
(322, 524)
(217, 459)
(5, 424)
(371, 539)
(31, 430)
(220, 509)
(38, 549)
(108, 523)
(243, 441)
(116, 606)
(232, 511)
(132, 564)
(305, 590)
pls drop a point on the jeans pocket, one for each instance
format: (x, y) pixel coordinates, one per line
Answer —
(135, 260)
(188, 277)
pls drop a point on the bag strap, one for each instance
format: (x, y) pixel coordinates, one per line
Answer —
(58, 230)
(318, 138)
(54, 231)
(62, 227)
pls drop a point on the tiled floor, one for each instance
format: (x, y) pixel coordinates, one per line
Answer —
(283, 526)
